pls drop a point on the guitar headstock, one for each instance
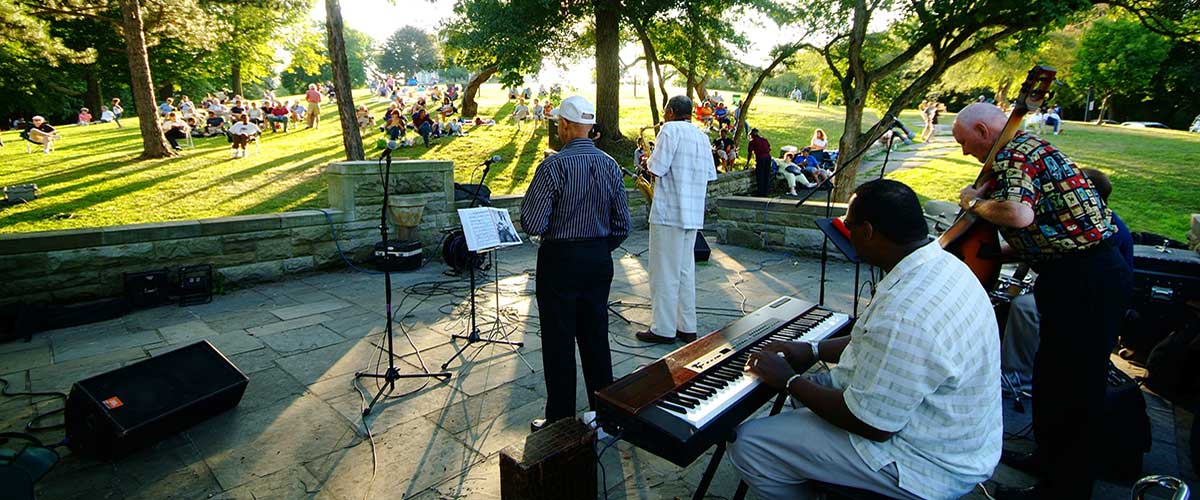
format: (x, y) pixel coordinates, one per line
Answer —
(1035, 90)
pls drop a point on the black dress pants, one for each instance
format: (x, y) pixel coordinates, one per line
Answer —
(173, 135)
(762, 176)
(573, 279)
(1082, 300)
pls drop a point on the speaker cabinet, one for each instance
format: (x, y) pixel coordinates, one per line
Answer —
(112, 414)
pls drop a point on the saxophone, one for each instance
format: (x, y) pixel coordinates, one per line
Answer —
(643, 179)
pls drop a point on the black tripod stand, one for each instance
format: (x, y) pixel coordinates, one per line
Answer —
(473, 335)
(392, 374)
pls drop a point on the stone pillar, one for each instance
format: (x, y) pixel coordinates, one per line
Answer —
(1194, 234)
(355, 188)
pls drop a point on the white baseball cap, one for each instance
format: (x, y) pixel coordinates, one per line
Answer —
(576, 109)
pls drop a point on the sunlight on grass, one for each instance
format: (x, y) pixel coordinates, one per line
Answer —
(94, 178)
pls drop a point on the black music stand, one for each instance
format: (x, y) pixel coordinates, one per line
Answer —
(846, 248)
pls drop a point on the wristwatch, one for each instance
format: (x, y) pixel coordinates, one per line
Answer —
(815, 352)
(971, 205)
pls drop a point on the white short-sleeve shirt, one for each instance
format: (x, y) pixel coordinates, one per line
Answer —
(682, 160)
(924, 363)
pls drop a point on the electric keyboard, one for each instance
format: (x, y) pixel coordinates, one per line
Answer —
(690, 399)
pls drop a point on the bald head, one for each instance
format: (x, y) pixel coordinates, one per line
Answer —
(977, 127)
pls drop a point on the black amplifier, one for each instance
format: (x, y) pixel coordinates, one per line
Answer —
(398, 255)
(1166, 274)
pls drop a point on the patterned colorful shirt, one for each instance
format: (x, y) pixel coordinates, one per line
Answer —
(1069, 215)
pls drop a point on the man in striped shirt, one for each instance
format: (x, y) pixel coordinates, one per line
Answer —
(912, 409)
(576, 204)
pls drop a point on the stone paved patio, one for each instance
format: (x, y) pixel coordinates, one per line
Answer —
(297, 432)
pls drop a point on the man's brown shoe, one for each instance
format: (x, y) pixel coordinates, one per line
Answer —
(654, 338)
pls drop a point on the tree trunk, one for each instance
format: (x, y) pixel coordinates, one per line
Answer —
(691, 81)
(702, 88)
(341, 81)
(1002, 88)
(651, 58)
(235, 70)
(469, 107)
(1103, 109)
(744, 109)
(154, 145)
(662, 83)
(608, 69)
(93, 99)
(818, 97)
(850, 144)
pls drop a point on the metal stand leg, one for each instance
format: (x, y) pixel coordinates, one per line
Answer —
(709, 472)
(618, 313)
(474, 335)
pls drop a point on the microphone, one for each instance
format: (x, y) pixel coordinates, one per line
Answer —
(493, 159)
(388, 147)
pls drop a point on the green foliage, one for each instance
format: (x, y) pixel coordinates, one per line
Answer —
(409, 50)
(1120, 56)
(310, 57)
(513, 36)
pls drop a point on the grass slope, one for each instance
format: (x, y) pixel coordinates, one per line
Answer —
(94, 179)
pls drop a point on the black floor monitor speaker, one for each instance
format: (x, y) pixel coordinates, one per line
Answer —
(702, 251)
(112, 414)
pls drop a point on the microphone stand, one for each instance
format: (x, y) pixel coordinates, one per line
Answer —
(829, 214)
(392, 374)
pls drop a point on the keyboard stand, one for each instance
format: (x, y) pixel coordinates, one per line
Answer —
(711, 469)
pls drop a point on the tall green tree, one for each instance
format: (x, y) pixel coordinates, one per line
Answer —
(1119, 56)
(310, 57)
(409, 50)
(336, 43)
(257, 28)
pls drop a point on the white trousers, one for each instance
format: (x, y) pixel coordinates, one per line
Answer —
(672, 280)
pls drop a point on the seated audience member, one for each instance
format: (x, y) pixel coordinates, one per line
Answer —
(213, 126)
(447, 110)
(520, 112)
(705, 114)
(793, 173)
(809, 166)
(363, 117)
(279, 114)
(912, 408)
(641, 154)
(84, 118)
(237, 110)
(725, 150)
(423, 124)
(816, 147)
(106, 115)
(298, 111)
(452, 92)
(186, 108)
(396, 125)
(1054, 120)
(191, 123)
(166, 107)
(455, 128)
(215, 108)
(539, 113)
(721, 113)
(40, 132)
(255, 114)
(174, 129)
(242, 133)
(547, 108)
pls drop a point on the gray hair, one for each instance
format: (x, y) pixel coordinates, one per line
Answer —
(680, 106)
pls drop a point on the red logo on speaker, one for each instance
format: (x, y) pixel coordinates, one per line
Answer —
(112, 403)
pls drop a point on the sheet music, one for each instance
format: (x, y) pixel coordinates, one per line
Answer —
(487, 228)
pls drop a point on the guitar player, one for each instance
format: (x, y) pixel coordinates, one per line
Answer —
(1052, 217)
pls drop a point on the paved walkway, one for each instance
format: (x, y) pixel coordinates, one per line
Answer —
(297, 432)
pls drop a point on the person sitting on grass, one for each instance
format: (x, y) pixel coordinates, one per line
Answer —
(793, 174)
(722, 116)
(539, 113)
(395, 127)
(423, 124)
(41, 133)
(174, 129)
(279, 114)
(520, 112)
(215, 108)
(213, 126)
(238, 109)
(242, 133)
(106, 115)
(447, 110)
(455, 128)
(809, 165)
(725, 150)
(363, 117)
(84, 118)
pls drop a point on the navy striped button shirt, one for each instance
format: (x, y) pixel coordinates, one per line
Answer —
(576, 194)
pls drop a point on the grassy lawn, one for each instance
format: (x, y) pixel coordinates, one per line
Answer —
(93, 179)
(1155, 173)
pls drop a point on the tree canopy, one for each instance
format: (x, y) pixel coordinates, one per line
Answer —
(409, 50)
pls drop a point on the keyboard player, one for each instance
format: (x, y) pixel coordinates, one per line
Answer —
(912, 408)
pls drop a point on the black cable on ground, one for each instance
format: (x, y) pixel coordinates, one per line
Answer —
(37, 417)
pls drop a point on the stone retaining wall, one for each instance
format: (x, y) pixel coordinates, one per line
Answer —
(773, 223)
(1194, 234)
